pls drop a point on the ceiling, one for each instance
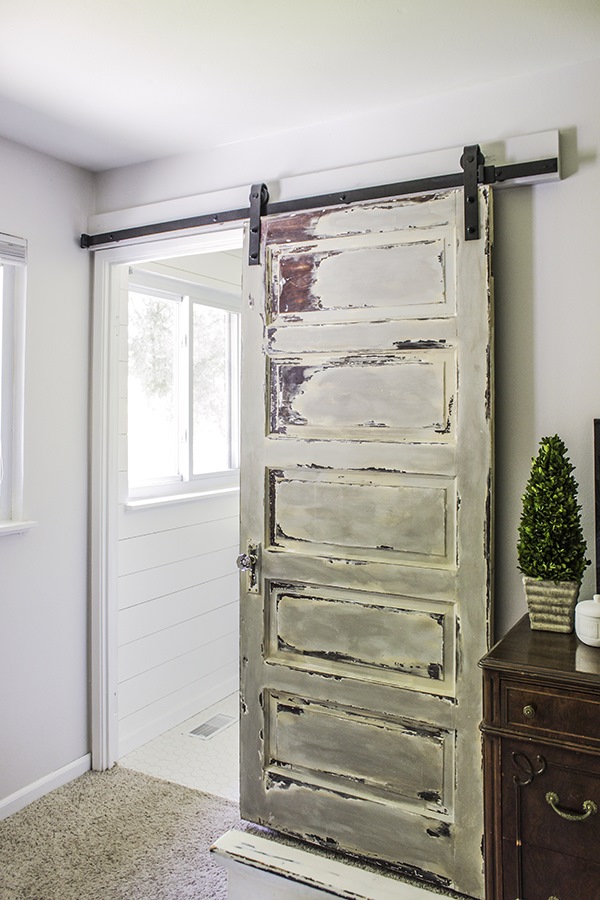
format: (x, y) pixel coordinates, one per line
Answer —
(123, 81)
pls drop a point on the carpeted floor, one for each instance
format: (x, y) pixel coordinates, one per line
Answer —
(116, 835)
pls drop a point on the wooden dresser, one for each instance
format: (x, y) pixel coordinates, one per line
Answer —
(541, 733)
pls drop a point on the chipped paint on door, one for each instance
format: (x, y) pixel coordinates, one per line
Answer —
(366, 473)
(309, 625)
(368, 515)
(409, 393)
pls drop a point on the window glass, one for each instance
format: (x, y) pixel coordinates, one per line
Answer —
(211, 390)
(153, 422)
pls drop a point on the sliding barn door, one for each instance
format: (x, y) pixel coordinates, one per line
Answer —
(366, 466)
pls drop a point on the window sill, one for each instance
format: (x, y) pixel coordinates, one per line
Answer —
(148, 502)
(16, 527)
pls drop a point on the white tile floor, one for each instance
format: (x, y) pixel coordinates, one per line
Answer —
(208, 765)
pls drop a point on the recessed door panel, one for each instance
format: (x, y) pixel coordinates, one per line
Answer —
(369, 515)
(377, 635)
(365, 756)
(358, 273)
(405, 395)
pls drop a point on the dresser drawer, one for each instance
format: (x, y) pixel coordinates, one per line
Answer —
(547, 875)
(551, 799)
(550, 712)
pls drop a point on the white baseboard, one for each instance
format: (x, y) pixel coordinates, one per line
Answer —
(131, 740)
(31, 792)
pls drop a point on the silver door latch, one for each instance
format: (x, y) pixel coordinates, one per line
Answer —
(249, 562)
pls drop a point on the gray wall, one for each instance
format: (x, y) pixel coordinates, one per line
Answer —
(43, 573)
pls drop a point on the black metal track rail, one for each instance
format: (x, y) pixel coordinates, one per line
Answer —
(485, 175)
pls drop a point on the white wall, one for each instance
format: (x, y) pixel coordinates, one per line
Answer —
(547, 309)
(43, 573)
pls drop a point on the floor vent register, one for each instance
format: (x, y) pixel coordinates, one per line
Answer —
(212, 726)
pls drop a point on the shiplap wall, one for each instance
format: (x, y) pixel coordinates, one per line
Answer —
(178, 588)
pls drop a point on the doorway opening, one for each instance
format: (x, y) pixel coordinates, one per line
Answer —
(170, 603)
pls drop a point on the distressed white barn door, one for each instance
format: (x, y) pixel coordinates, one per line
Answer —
(366, 466)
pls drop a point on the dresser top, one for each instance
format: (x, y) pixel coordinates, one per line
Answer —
(545, 653)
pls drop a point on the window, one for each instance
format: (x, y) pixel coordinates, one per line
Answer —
(13, 260)
(183, 372)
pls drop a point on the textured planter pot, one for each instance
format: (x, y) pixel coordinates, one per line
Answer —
(551, 604)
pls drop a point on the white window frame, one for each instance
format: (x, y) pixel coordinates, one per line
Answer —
(187, 294)
(13, 259)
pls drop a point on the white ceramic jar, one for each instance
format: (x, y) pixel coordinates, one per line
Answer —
(587, 621)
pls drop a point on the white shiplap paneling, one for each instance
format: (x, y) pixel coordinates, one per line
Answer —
(154, 650)
(161, 681)
(165, 612)
(178, 576)
(172, 545)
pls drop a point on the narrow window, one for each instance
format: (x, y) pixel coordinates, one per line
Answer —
(13, 261)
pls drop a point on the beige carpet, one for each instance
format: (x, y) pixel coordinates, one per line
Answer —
(116, 834)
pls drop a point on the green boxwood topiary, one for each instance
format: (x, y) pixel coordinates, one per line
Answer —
(551, 545)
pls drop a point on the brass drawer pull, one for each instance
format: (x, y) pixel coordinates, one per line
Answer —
(589, 807)
(529, 711)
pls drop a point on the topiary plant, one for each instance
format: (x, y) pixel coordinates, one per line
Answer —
(551, 545)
